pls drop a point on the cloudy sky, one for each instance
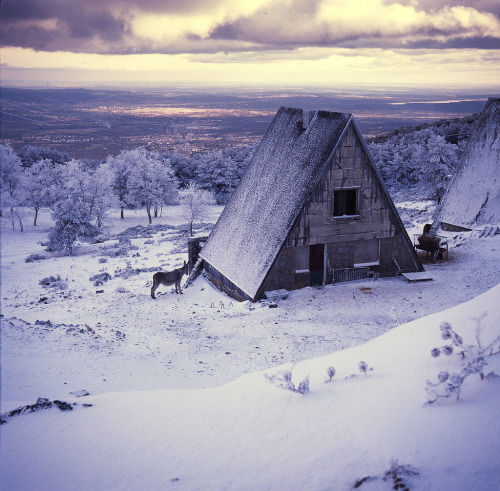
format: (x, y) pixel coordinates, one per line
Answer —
(333, 42)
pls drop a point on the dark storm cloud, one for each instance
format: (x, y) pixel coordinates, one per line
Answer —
(102, 26)
(105, 26)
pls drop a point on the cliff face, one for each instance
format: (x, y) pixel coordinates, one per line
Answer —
(474, 195)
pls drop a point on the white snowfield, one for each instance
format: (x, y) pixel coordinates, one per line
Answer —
(199, 422)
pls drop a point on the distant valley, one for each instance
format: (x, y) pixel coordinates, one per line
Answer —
(96, 122)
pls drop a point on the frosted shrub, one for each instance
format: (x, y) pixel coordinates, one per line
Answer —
(35, 257)
(54, 282)
(331, 373)
(100, 278)
(473, 361)
(400, 475)
(122, 248)
(364, 368)
(303, 387)
(283, 380)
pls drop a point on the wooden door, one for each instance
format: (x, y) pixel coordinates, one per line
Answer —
(316, 263)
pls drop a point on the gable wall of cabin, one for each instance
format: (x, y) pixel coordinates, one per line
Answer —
(344, 237)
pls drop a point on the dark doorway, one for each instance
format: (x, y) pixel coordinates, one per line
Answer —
(316, 262)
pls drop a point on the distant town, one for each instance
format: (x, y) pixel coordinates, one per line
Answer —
(95, 123)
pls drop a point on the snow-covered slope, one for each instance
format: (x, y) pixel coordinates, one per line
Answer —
(473, 198)
(251, 434)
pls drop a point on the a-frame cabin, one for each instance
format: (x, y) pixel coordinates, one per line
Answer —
(311, 208)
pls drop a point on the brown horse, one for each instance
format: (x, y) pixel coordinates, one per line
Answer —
(169, 278)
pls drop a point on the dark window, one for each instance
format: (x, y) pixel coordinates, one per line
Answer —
(345, 202)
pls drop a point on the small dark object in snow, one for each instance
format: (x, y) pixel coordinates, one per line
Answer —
(361, 481)
(80, 393)
(174, 479)
(119, 335)
(273, 305)
(331, 373)
(99, 291)
(63, 406)
(43, 300)
(41, 404)
(435, 352)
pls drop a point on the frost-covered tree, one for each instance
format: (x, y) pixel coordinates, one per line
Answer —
(10, 180)
(196, 203)
(102, 198)
(74, 207)
(121, 166)
(218, 173)
(31, 154)
(91, 188)
(440, 160)
(39, 183)
(151, 181)
(184, 167)
(421, 160)
(72, 222)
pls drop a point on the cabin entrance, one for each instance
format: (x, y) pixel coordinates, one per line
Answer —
(316, 263)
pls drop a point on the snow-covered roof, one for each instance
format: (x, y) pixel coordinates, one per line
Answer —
(284, 171)
(474, 195)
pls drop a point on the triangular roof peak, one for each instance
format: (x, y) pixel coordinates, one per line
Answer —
(282, 175)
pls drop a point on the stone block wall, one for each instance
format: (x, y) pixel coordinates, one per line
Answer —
(284, 274)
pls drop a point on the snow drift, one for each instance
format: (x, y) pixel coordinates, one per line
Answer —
(358, 430)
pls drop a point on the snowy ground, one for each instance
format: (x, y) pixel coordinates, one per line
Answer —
(61, 338)
(201, 338)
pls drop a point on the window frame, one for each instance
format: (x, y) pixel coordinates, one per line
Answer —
(345, 201)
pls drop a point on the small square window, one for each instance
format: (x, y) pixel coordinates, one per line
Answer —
(345, 202)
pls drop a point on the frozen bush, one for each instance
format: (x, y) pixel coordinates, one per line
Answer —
(364, 368)
(331, 373)
(303, 387)
(100, 278)
(283, 380)
(35, 257)
(473, 362)
(398, 474)
(54, 282)
(447, 350)
(122, 248)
